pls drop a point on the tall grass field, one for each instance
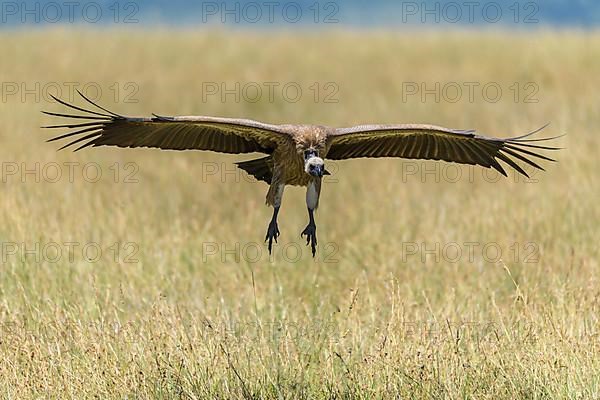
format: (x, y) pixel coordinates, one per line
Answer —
(143, 273)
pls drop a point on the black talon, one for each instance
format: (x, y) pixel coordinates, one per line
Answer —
(272, 230)
(272, 234)
(311, 232)
(311, 237)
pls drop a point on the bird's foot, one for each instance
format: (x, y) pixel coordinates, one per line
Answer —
(311, 237)
(272, 234)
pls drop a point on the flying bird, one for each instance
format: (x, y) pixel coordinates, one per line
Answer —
(296, 154)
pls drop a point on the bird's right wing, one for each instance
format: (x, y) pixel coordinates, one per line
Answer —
(428, 142)
(224, 135)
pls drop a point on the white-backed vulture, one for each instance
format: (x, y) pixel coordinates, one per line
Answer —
(296, 153)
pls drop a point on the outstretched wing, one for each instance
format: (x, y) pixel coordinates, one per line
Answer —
(225, 135)
(431, 142)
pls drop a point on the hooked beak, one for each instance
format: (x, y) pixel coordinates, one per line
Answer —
(314, 166)
(317, 171)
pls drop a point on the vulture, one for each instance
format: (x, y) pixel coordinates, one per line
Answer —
(296, 154)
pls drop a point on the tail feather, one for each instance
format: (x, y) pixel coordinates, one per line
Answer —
(261, 168)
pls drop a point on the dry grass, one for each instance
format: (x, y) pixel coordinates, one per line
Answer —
(370, 320)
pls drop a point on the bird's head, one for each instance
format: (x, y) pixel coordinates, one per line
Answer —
(313, 164)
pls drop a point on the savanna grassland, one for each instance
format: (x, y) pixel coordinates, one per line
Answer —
(152, 281)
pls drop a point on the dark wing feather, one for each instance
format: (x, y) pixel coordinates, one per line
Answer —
(225, 135)
(431, 142)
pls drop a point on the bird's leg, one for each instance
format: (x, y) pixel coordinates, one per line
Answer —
(312, 201)
(273, 229)
(311, 232)
(274, 197)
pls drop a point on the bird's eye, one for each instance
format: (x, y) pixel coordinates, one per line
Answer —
(312, 167)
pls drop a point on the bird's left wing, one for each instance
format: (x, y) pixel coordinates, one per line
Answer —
(224, 135)
(429, 142)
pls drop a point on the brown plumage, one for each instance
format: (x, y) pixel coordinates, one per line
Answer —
(296, 152)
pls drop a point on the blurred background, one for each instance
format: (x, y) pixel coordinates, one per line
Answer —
(582, 14)
(142, 273)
